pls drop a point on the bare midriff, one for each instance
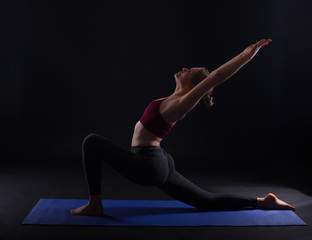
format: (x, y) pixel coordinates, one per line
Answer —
(143, 137)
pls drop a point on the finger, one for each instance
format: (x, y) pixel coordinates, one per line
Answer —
(261, 41)
(267, 40)
(265, 43)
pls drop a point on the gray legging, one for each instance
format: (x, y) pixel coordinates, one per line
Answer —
(152, 166)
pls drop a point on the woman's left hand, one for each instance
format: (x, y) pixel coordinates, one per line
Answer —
(252, 50)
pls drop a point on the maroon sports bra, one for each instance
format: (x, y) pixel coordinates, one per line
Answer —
(153, 121)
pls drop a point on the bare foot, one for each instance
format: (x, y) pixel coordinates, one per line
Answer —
(271, 202)
(88, 210)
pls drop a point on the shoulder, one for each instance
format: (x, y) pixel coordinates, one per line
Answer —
(161, 99)
(170, 109)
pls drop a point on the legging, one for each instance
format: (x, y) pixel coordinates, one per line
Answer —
(152, 166)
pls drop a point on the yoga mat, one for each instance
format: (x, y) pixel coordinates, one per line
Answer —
(154, 213)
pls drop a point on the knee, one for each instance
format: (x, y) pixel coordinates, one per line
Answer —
(90, 141)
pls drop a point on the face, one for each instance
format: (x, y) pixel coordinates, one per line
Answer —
(185, 75)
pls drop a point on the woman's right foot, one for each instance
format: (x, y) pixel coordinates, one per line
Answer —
(271, 202)
(88, 210)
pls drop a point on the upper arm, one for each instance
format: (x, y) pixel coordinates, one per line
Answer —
(177, 108)
(189, 100)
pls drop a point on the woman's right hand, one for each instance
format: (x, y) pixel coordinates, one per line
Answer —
(252, 50)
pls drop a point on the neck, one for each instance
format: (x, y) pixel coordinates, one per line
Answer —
(180, 91)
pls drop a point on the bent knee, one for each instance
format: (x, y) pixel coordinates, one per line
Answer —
(90, 140)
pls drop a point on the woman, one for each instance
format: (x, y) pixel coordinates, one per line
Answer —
(149, 164)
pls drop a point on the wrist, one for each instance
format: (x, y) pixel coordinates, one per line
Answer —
(246, 56)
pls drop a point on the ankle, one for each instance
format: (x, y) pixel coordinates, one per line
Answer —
(95, 199)
(260, 202)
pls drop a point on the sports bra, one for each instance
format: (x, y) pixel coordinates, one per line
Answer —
(153, 121)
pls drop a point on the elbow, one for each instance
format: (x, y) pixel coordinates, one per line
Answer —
(217, 77)
(216, 73)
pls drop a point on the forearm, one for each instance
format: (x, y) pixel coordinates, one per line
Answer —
(229, 68)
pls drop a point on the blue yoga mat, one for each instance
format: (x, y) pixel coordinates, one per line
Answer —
(154, 213)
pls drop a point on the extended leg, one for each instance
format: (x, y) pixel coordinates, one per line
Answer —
(184, 190)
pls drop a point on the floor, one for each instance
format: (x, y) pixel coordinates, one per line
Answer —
(21, 187)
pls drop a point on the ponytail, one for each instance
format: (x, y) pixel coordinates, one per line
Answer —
(208, 100)
(196, 79)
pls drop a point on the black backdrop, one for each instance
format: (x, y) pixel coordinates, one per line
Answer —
(70, 68)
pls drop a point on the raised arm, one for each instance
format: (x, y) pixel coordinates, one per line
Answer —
(231, 67)
(221, 74)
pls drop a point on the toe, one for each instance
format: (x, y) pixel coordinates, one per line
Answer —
(292, 208)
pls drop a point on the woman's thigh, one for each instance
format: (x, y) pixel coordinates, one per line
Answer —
(146, 168)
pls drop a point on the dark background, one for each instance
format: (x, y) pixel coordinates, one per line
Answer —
(70, 68)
